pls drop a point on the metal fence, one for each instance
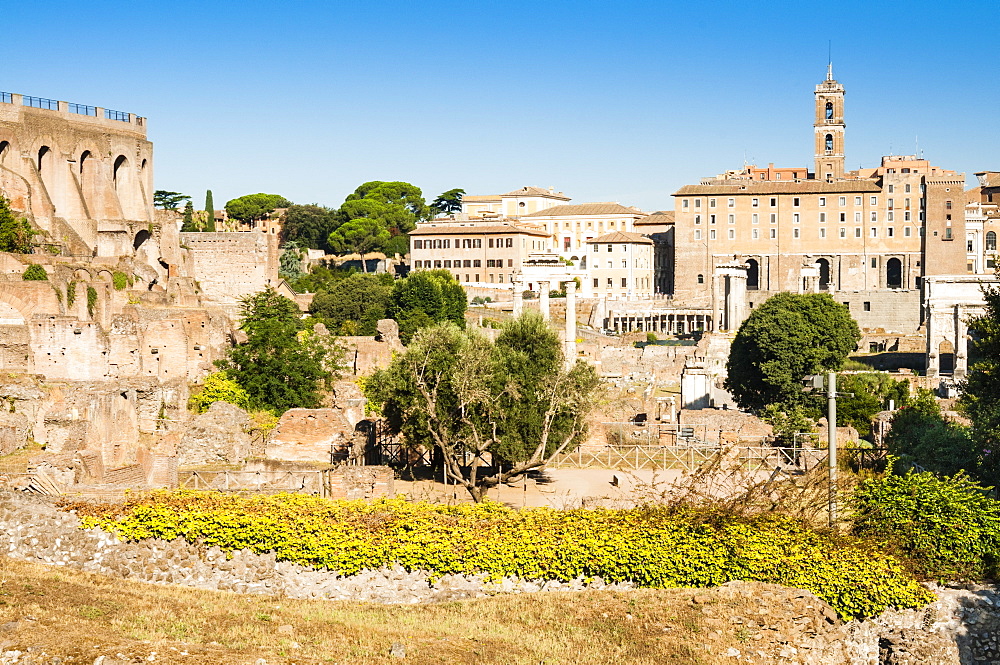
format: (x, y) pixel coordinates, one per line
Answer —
(83, 109)
(6, 98)
(315, 481)
(40, 103)
(121, 116)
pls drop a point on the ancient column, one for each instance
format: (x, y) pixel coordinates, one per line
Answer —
(543, 299)
(932, 364)
(518, 297)
(961, 346)
(570, 323)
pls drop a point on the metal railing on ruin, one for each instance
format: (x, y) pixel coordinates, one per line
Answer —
(83, 109)
(6, 97)
(40, 103)
(121, 116)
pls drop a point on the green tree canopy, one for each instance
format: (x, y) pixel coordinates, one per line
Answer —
(448, 202)
(254, 207)
(209, 212)
(396, 207)
(424, 298)
(15, 233)
(981, 389)
(280, 365)
(290, 262)
(921, 434)
(362, 236)
(513, 400)
(309, 225)
(218, 387)
(189, 224)
(354, 305)
(870, 393)
(783, 340)
(168, 200)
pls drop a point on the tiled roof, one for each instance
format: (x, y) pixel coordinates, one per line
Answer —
(773, 187)
(587, 209)
(537, 191)
(621, 236)
(451, 230)
(475, 198)
(659, 217)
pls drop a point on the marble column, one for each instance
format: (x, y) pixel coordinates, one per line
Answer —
(570, 323)
(543, 298)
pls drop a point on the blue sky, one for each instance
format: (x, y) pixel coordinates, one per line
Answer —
(607, 101)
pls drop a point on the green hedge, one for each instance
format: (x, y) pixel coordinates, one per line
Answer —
(946, 528)
(34, 273)
(652, 547)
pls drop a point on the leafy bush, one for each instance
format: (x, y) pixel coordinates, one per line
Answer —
(921, 434)
(120, 280)
(71, 293)
(947, 528)
(218, 387)
(91, 300)
(654, 547)
(35, 273)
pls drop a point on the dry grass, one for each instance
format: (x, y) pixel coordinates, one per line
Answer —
(80, 616)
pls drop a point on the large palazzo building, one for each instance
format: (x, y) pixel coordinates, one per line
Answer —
(868, 237)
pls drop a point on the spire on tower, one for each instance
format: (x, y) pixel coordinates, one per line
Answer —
(829, 71)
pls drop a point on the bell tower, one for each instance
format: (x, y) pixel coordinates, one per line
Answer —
(829, 129)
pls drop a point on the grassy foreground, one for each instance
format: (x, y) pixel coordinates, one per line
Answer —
(80, 616)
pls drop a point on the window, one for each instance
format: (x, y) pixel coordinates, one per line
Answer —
(889, 216)
(732, 234)
(890, 191)
(697, 234)
(701, 279)
(510, 263)
(467, 263)
(843, 232)
(889, 232)
(829, 111)
(684, 204)
(968, 246)
(755, 218)
(437, 264)
(906, 216)
(822, 201)
(795, 232)
(755, 234)
(754, 202)
(711, 234)
(711, 203)
(857, 200)
(822, 218)
(697, 203)
(795, 218)
(906, 231)
(774, 202)
(611, 282)
(843, 217)
(947, 205)
(711, 219)
(510, 242)
(829, 143)
(774, 233)
(610, 247)
(477, 263)
(732, 219)
(477, 277)
(447, 264)
(857, 232)
(874, 263)
(795, 201)
(991, 241)
(822, 233)
(624, 263)
(731, 203)
(624, 282)
(842, 201)
(906, 188)
(874, 232)
(873, 201)
(596, 282)
(418, 244)
(774, 218)
(697, 219)
(867, 306)
(874, 216)
(889, 203)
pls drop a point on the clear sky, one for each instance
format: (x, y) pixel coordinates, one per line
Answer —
(607, 101)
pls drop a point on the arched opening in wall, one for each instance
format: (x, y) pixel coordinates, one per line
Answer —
(946, 357)
(829, 110)
(4, 150)
(991, 241)
(44, 159)
(120, 173)
(824, 274)
(829, 143)
(140, 238)
(894, 274)
(753, 275)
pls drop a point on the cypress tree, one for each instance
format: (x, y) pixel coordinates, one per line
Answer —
(209, 211)
(188, 224)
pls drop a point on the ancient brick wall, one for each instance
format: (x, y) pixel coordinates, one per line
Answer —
(229, 266)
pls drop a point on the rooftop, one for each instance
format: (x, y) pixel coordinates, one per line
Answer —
(538, 191)
(476, 229)
(658, 217)
(588, 209)
(777, 187)
(619, 237)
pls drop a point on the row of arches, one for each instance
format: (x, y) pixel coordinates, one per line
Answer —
(893, 273)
